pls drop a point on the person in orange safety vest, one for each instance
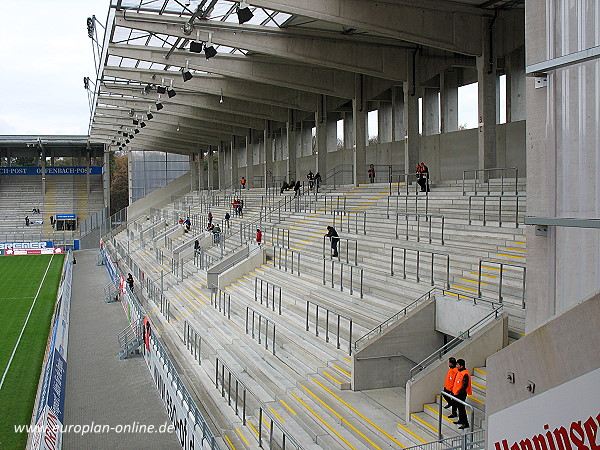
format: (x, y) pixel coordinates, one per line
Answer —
(449, 384)
(462, 388)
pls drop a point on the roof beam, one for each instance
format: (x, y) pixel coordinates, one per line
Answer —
(369, 59)
(436, 24)
(278, 72)
(230, 87)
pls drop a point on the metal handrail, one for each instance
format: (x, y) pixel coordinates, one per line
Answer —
(274, 287)
(328, 310)
(486, 172)
(502, 264)
(285, 436)
(347, 248)
(281, 251)
(472, 440)
(192, 341)
(348, 215)
(261, 318)
(444, 349)
(352, 267)
(428, 218)
(388, 322)
(418, 251)
(238, 383)
(462, 402)
(406, 197)
(500, 198)
(338, 199)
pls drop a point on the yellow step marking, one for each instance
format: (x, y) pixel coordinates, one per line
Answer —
(288, 407)
(229, 442)
(252, 427)
(200, 292)
(456, 295)
(342, 370)
(335, 380)
(412, 434)
(463, 287)
(493, 268)
(516, 249)
(418, 419)
(323, 421)
(242, 437)
(251, 273)
(478, 385)
(195, 297)
(479, 370)
(276, 415)
(436, 412)
(471, 281)
(377, 427)
(304, 240)
(483, 275)
(476, 400)
(266, 423)
(336, 414)
(511, 256)
(348, 360)
(522, 243)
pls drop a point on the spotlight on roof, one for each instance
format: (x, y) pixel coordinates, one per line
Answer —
(187, 75)
(127, 141)
(244, 14)
(159, 105)
(149, 115)
(142, 124)
(209, 51)
(161, 89)
(136, 131)
(196, 47)
(136, 122)
(171, 92)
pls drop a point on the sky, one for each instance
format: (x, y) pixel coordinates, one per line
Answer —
(45, 52)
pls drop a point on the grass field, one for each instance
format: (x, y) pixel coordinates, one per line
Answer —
(25, 281)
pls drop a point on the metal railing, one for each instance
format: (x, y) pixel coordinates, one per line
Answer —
(428, 218)
(439, 354)
(226, 388)
(340, 175)
(280, 236)
(406, 179)
(337, 318)
(421, 202)
(349, 268)
(462, 402)
(474, 440)
(282, 441)
(351, 219)
(268, 291)
(500, 278)
(333, 203)
(130, 334)
(192, 341)
(418, 264)
(486, 175)
(379, 329)
(221, 300)
(347, 249)
(500, 199)
(286, 258)
(257, 331)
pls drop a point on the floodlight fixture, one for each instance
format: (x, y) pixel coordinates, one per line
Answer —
(136, 122)
(244, 14)
(149, 116)
(209, 49)
(127, 141)
(177, 127)
(137, 130)
(142, 124)
(161, 89)
(91, 26)
(171, 92)
(196, 46)
(221, 98)
(159, 105)
(185, 72)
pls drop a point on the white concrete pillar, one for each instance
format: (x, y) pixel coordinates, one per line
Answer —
(235, 163)
(359, 131)
(249, 161)
(431, 112)
(385, 123)
(321, 137)
(449, 100)
(221, 171)
(202, 176)
(291, 147)
(486, 82)
(106, 176)
(515, 86)
(268, 143)
(398, 128)
(411, 123)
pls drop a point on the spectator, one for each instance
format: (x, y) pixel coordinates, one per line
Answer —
(258, 237)
(210, 217)
(311, 179)
(130, 281)
(210, 227)
(241, 208)
(52, 221)
(227, 217)
(284, 187)
(216, 234)
(243, 183)
(462, 388)
(449, 384)
(423, 177)
(334, 238)
(372, 173)
(235, 204)
(318, 180)
(297, 189)
(26, 221)
(196, 247)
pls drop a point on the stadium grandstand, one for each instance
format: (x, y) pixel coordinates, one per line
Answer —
(291, 277)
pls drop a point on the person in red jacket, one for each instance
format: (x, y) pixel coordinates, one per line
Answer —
(258, 236)
(449, 384)
(462, 388)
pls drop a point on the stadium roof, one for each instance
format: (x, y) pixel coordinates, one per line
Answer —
(53, 145)
(289, 57)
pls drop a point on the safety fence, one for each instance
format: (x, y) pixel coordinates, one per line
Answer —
(269, 292)
(349, 274)
(254, 327)
(286, 258)
(501, 278)
(192, 341)
(413, 204)
(347, 249)
(511, 200)
(431, 263)
(231, 388)
(221, 301)
(350, 221)
(337, 317)
(482, 179)
(428, 218)
(280, 440)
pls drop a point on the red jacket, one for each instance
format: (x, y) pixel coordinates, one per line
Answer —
(259, 236)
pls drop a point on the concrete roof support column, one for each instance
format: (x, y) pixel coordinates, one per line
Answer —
(193, 171)
(385, 124)
(88, 163)
(449, 100)
(348, 130)
(359, 128)
(321, 135)
(234, 163)
(515, 86)
(221, 170)
(398, 128)
(106, 177)
(209, 172)
(268, 142)
(486, 83)
(291, 146)
(411, 123)
(249, 160)
(201, 174)
(129, 176)
(431, 112)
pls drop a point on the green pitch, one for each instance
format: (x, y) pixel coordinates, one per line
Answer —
(21, 277)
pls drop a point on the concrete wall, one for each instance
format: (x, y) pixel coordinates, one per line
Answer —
(160, 197)
(423, 388)
(564, 348)
(455, 316)
(247, 265)
(409, 341)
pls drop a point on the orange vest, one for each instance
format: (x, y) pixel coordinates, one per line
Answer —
(458, 381)
(449, 383)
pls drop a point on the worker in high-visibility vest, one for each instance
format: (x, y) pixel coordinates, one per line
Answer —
(449, 384)
(462, 388)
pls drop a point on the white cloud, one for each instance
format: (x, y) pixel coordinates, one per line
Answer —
(45, 53)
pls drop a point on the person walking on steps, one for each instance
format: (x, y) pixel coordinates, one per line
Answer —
(130, 281)
(449, 384)
(243, 183)
(259, 237)
(462, 388)
(372, 173)
(227, 217)
(423, 175)
(334, 238)
(311, 179)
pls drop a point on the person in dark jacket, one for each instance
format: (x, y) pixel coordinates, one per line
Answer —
(297, 189)
(130, 281)
(334, 238)
(462, 388)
